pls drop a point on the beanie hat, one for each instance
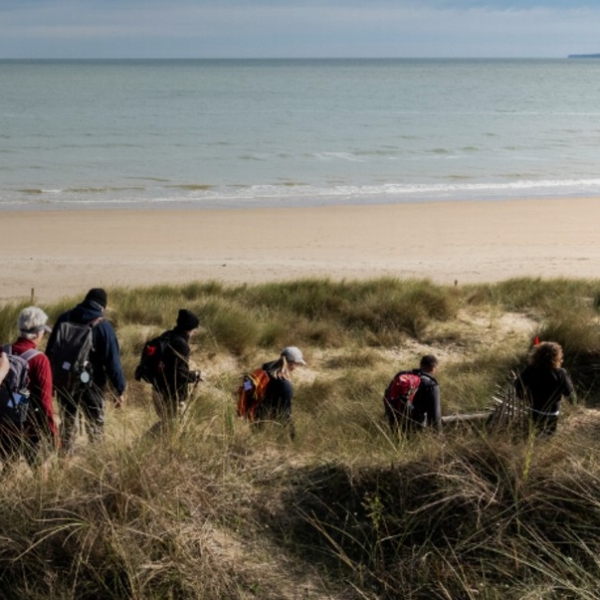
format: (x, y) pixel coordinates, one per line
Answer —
(187, 320)
(97, 295)
(293, 354)
(32, 320)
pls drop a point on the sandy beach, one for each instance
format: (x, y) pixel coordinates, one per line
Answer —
(58, 253)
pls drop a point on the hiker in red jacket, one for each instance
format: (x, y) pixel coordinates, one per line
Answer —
(39, 434)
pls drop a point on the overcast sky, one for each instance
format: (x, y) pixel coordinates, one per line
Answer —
(297, 28)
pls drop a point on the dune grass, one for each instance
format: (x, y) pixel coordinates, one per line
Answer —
(216, 509)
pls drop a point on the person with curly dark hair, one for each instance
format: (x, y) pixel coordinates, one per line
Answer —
(544, 382)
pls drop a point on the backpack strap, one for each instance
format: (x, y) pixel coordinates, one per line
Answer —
(29, 354)
(91, 323)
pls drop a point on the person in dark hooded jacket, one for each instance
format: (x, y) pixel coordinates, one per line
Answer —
(105, 360)
(171, 387)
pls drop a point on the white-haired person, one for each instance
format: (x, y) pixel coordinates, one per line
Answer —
(277, 404)
(39, 433)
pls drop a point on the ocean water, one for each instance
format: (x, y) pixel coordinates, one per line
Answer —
(227, 133)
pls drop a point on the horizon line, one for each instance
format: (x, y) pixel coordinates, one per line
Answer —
(291, 58)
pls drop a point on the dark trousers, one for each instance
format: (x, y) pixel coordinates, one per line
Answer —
(92, 403)
(544, 425)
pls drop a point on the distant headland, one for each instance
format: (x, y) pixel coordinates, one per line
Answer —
(583, 56)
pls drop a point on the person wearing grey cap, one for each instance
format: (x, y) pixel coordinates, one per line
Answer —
(105, 361)
(39, 433)
(277, 404)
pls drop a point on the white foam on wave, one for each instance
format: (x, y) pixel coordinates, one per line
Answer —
(305, 194)
(404, 190)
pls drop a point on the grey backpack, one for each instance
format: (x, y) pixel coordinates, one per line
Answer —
(14, 394)
(70, 356)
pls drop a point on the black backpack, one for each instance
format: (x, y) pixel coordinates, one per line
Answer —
(70, 356)
(14, 394)
(151, 367)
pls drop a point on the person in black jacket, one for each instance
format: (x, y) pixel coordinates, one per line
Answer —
(105, 360)
(277, 404)
(544, 382)
(171, 387)
(412, 399)
(427, 407)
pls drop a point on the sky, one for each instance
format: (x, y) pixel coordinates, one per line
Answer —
(298, 28)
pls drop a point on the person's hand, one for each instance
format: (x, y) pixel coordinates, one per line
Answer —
(118, 401)
(4, 366)
(198, 377)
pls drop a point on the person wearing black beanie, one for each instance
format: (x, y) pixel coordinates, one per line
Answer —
(97, 295)
(172, 379)
(187, 320)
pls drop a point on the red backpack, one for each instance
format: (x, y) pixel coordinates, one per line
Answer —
(400, 393)
(251, 393)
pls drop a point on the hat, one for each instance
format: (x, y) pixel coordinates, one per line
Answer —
(97, 295)
(293, 354)
(32, 320)
(187, 320)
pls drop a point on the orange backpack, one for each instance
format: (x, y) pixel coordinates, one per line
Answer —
(251, 393)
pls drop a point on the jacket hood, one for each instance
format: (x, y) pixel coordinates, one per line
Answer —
(85, 312)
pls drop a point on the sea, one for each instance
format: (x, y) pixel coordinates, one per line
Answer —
(77, 134)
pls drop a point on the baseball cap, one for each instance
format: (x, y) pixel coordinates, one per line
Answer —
(293, 354)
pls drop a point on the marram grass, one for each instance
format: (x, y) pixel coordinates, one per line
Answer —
(216, 509)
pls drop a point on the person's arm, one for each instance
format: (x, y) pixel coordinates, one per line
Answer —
(435, 408)
(183, 374)
(568, 388)
(4, 366)
(111, 359)
(42, 375)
